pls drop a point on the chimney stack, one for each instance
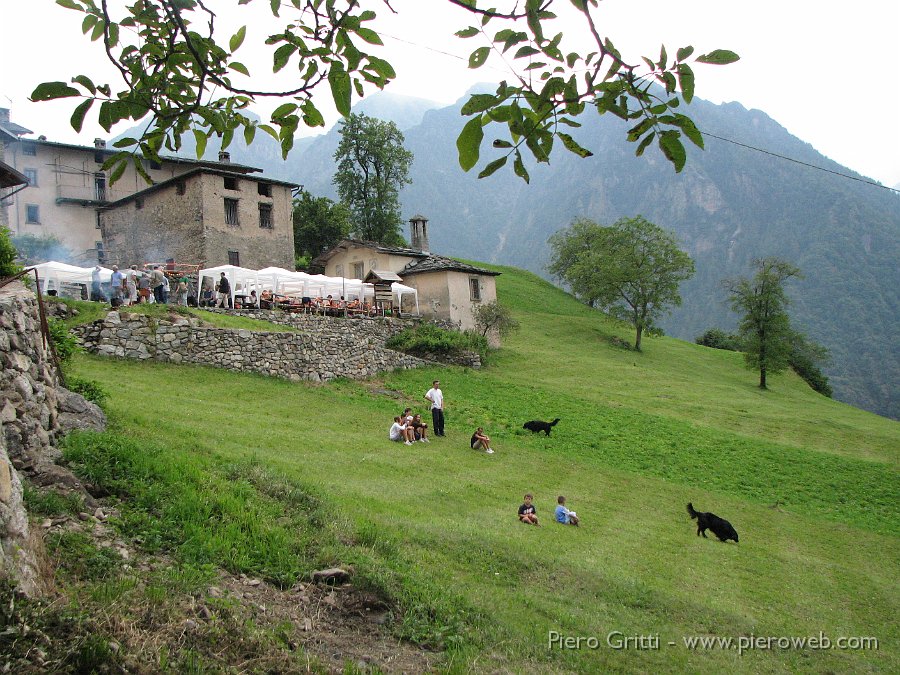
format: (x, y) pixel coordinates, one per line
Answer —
(224, 156)
(418, 233)
(4, 115)
(99, 143)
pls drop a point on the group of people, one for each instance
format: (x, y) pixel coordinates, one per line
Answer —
(563, 516)
(135, 286)
(409, 428)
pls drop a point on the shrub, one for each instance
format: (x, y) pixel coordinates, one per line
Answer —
(8, 255)
(427, 338)
(90, 389)
(719, 339)
(63, 341)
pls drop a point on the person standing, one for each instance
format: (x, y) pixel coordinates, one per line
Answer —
(131, 285)
(436, 397)
(117, 281)
(96, 288)
(157, 283)
(224, 288)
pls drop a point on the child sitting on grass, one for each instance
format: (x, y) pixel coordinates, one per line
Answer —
(527, 512)
(563, 515)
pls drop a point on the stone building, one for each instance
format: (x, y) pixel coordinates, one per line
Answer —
(449, 290)
(208, 215)
(68, 189)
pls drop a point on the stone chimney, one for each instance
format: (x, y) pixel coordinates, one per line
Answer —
(224, 156)
(4, 115)
(99, 143)
(418, 233)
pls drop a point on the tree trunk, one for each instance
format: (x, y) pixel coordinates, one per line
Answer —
(637, 338)
(762, 378)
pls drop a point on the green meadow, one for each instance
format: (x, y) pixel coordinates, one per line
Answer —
(272, 478)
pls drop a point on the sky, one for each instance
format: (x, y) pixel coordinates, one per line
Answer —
(823, 69)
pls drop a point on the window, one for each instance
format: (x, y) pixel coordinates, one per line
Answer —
(156, 166)
(101, 254)
(98, 220)
(180, 187)
(234, 258)
(264, 189)
(475, 289)
(99, 156)
(265, 216)
(29, 149)
(231, 211)
(338, 270)
(32, 214)
(100, 187)
(31, 175)
(231, 183)
(358, 269)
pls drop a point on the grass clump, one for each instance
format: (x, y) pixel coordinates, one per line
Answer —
(49, 503)
(91, 389)
(428, 339)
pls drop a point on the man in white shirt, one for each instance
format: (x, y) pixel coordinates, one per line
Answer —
(436, 397)
(399, 432)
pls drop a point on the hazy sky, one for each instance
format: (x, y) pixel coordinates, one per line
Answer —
(824, 69)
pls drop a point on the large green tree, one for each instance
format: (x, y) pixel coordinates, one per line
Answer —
(372, 166)
(177, 71)
(765, 327)
(319, 224)
(631, 268)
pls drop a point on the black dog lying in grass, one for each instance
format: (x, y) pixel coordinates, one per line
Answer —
(535, 426)
(710, 521)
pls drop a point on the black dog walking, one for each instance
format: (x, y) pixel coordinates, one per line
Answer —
(710, 521)
(535, 426)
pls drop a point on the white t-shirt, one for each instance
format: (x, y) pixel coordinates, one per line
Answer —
(436, 396)
(395, 433)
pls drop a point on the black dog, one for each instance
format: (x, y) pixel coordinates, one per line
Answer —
(710, 521)
(535, 426)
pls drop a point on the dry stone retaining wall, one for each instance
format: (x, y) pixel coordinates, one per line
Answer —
(324, 348)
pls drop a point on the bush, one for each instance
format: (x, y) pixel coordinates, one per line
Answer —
(8, 255)
(427, 338)
(90, 389)
(63, 341)
(719, 339)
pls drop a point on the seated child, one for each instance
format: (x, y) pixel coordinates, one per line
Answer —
(481, 441)
(563, 515)
(527, 512)
(420, 429)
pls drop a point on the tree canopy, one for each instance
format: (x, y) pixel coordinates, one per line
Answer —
(182, 75)
(631, 268)
(372, 167)
(319, 224)
(765, 327)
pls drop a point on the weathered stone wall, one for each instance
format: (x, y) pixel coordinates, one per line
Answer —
(324, 348)
(34, 412)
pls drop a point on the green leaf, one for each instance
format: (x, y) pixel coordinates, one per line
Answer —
(78, 115)
(239, 67)
(684, 52)
(269, 130)
(85, 82)
(340, 88)
(526, 50)
(686, 124)
(282, 56)
(48, 91)
(686, 81)
(249, 134)
(648, 139)
(471, 31)
(500, 143)
(478, 103)
(283, 110)
(519, 168)
(125, 142)
(98, 30)
(276, 5)
(237, 39)
(719, 57)
(201, 139)
(493, 166)
(468, 145)
(572, 146)
(119, 169)
(369, 36)
(478, 57)
(69, 4)
(88, 23)
(113, 34)
(672, 148)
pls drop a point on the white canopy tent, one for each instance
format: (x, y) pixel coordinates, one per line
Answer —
(237, 276)
(399, 290)
(60, 273)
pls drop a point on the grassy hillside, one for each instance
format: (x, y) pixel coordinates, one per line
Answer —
(811, 485)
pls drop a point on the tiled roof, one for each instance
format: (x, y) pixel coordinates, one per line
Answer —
(438, 263)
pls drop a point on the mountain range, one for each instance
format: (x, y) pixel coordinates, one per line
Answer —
(731, 204)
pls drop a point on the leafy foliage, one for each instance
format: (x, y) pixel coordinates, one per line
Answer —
(719, 339)
(90, 389)
(64, 342)
(427, 338)
(188, 79)
(319, 224)
(8, 256)
(372, 167)
(33, 249)
(806, 358)
(631, 268)
(494, 316)
(765, 326)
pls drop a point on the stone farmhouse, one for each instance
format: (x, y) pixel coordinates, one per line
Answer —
(449, 290)
(195, 211)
